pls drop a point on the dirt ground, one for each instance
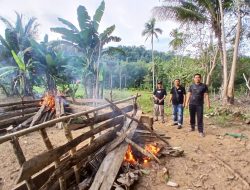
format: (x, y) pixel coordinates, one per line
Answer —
(199, 168)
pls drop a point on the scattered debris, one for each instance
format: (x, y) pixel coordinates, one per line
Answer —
(236, 135)
(172, 184)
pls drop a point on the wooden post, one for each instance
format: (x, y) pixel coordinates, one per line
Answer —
(49, 146)
(69, 136)
(21, 159)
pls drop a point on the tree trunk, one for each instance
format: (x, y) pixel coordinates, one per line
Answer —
(97, 70)
(230, 92)
(120, 75)
(152, 43)
(222, 42)
(213, 65)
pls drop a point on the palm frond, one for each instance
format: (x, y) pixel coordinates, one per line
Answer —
(19, 24)
(69, 24)
(83, 17)
(6, 22)
(98, 15)
(28, 29)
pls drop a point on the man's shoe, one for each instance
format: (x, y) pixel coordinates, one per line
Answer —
(202, 135)
(179, 127)
(155, 119)
(173, 124)
(191, 130)
(163, 121)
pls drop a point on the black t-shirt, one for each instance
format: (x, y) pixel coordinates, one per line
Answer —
(197, 93)
(160, 93)
(178, 95)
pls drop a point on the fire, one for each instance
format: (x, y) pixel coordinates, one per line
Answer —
(48, 101)
(129, 157)
(154, 149)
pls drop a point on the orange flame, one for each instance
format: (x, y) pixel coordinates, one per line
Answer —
(129, 157)
(48, 101)
(151, 148)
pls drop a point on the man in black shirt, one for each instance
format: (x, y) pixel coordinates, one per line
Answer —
(159, 96)
(177, 97)
(196, 95)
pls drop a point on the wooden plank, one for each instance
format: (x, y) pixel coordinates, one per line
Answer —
(54, 121)
(18, 113)
(19, 102)
(81, 156)
(101, 117)
(21, 159)
(38, 162)
(108, 170)
(14, 121)
(19, 107)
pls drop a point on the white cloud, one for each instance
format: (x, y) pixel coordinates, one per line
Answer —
(129, 17)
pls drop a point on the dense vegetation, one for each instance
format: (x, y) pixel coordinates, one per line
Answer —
(82, 59)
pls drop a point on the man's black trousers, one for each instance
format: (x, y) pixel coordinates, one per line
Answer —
(196, 110)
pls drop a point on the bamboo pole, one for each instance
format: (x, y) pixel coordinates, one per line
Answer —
(54, 121)
(18, 103)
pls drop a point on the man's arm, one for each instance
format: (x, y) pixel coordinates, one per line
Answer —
(207, 99)
(184, 100)
(170, 98)
(188, 99)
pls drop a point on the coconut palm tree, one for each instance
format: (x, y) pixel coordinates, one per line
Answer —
(150, 31)
(196, 12)
(88, 42)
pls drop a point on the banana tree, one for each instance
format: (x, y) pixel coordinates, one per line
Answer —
(88, 42)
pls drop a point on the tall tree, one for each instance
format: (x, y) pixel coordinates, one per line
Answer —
(150, 31)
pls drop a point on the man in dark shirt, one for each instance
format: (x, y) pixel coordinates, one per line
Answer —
(159, 96)
(196, 95)
(178, 98)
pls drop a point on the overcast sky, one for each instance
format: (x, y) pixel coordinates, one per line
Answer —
(129, 17)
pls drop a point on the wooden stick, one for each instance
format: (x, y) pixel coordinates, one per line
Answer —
(138, 121)
(49, 146)
(39, 162)
(54, 121)
(233, 171)
(21, 159)
(143, 151)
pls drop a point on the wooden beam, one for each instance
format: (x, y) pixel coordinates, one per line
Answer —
(21, 159)
(54, 121)
(80, 156)
(14, 121)
(100, 118)
(19, 107)
(109, 169)
(39, 162)
(17, 113)
(19, 102)
(138, 121)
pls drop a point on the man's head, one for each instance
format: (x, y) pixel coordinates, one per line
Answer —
(197, 78)
(177, 82)
(159, 84)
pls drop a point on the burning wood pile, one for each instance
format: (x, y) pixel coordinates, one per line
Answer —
(119, 144)
(19, 115)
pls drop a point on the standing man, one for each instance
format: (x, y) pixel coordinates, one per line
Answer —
(195, 99)
(178, 99)
(159, 96)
